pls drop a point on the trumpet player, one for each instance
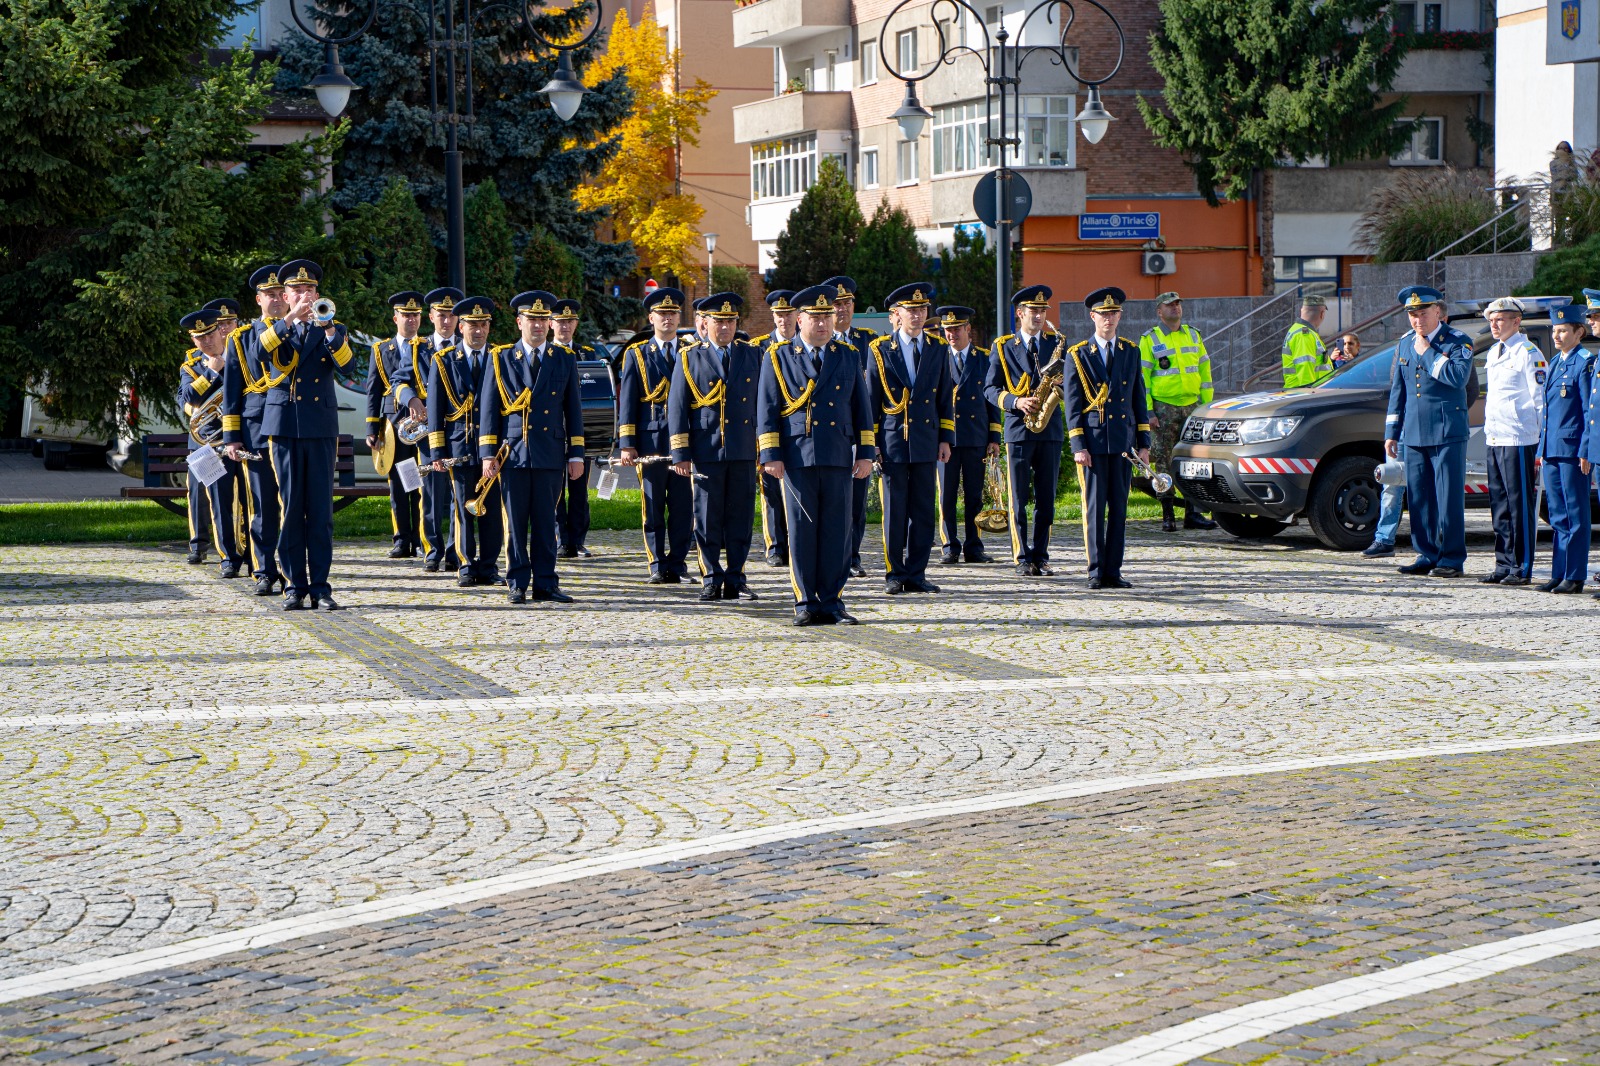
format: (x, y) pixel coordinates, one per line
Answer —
(1107, 417)
(977, 437)
(411, 384)
(665, 501)
(247, 375)
(531, 413)
(457, 375)
(390, 358)
(1017, 364)
(214, 503)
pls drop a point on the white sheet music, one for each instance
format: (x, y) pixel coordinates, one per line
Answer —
(410, 476)
(205, 465)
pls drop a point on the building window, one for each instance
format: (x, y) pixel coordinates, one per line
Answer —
(783, 168)
(1405, 17)
(869, 168)
(958, 136)
(1046, 124)
(905, 50)
(1426, 147)
(906, 161)
(1047, 127)
(1311, 274)
(869, 61)
(992, 15)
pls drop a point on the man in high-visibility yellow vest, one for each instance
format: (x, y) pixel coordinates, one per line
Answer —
(1305, 359)
(1177, 379)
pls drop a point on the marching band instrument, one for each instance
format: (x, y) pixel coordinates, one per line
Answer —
(409, 430)
(322, 311)
(993, 518)
(1048, 394)
(1162, 483)
(479, 504)
(205, 428)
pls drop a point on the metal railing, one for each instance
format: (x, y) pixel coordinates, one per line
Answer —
(1246, 342)
(1260, 377)
(1515, 235)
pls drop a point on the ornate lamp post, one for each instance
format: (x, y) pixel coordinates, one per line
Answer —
(711, 252)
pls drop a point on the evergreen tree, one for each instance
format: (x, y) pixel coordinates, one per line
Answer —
(886, 255)
(381, 249)
(491, 258)
(1252, 82)
(726, 277)
(547, 264)
(115, 218)
(534, 158)
(966, 277)
(820, 232)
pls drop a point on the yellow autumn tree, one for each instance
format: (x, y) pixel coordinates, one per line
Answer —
(638, 185)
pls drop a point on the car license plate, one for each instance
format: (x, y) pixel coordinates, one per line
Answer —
(1194, 470)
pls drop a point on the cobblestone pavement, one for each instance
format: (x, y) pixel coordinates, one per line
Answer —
(430, 736)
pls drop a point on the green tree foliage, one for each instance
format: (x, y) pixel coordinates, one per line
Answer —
(966, 277)
(549, 265)
(726, 277)
(534, 158)
(117, 213)
(1425, 210)
(1565, 270)
(491, 257)
(1250, 83)
(821, 231)
(381, 249)
(886, 255)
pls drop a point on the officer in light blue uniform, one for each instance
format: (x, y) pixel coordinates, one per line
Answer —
(531, 418)
(210, 506)
(908, 378)
(247, 375)
(711, 416)
(858, 337)
(814, 432)
(1428, 414)
(1564, 446)
(666, 502)
(457, 377)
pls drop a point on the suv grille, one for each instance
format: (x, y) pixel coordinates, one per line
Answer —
(1211, 431)
(1207, 492)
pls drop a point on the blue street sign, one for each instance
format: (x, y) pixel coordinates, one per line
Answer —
(972, 229)
(1139, 226)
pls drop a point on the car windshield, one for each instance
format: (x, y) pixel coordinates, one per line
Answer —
(1366, 372)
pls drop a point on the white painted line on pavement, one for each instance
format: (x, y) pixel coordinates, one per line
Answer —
(204, 948)
(568, 701)
(1230, 1028)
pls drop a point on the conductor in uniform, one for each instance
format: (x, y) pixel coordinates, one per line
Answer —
(1033, 460)
(908, 377)
(457, 376)
(572, 507)
(246, 377)
(711, 416)
(1428, 413)
(858, 337)
(814, 422)
(642, 390)
(977, 437)
(390, 360)
(531, 414)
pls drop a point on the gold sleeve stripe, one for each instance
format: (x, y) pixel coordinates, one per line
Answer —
(1144, 427)
(343, 355)
(576, 442)
(200, 385)
(1075, 433)
(995, 427)
(232, 421)
(768, 440)
(373, 419)
(488, 442)
(627, 430)
(869, 436)
(270, 340)
(680, 440)
(436, 439)
(947, 423)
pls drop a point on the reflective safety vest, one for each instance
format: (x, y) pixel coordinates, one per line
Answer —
(1177, 370)
(1305, 360)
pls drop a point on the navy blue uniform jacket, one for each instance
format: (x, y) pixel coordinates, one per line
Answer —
(1428, 393)
(977, 420)
(642, 390)
(532, 405)
(1123, 424)
(913, 417)
(711, 410)
(805, 419)
(1014, 374)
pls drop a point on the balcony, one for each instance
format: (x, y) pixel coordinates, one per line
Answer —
(1437, 70)
(963, 78)
(771, 23)
(791, 113)
(1057, 192)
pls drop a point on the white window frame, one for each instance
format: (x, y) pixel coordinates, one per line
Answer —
(959, 132)
(869, 61)
(783, 168)
(1406, 157)
(905, 52)
(905, 150)
(870, 176)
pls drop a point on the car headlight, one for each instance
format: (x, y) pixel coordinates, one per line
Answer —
(1261, 430)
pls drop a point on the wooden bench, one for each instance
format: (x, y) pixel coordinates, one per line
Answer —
(167, 454)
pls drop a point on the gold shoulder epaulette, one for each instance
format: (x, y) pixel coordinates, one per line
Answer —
(998, 341)
(1078, 347)
(847, 344)
(980, 351)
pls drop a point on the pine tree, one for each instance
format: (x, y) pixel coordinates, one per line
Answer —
(491, 257)
(886, 255)
(380, 250)
(548, 265)
(820, 232)
(534, 158)
(1252, 82)
(966, 277)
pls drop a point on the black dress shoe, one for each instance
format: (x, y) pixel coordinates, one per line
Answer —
(1419, 567)
(711, 594)
(264, 585)
(804, 618)
(980, 558)
(739, 592)
(1568, 588)
(294, 603)
(1515, 579)
(324, 603)
(432, 568)
(843, 618)
(921, 586)
(1548, 586)
(1043, 570)
(230, 571)
(517, 596)
(1447, 571)
(1118, 583)
(399, 551)
(1494, 577)
(466, 581)
(551, 596)
(584, 553)
(858, 571)
(1096, 583)
(1025, 570)
(776, 561)
(566, 553)
(674, 579)
(1168, 526)
(195, 558)
(657, 579)
(1196, 520)
(950, 560)
(893, 588)
(496, 580)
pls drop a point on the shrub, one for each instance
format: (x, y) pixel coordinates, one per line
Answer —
(1425, 210)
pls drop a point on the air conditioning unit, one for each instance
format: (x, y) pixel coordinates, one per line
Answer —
(1158, 263)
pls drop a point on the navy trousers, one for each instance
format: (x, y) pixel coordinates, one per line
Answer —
(1512, 489)
(1032, 468)
(572, 511)
(724, 517)
(667, 504)
(817, 504)
(403, 505)
(437, 531)
(858, 516)
(1566, 489)
(199, 511)
(1436, 486)
(304, 466)
(226, 496)
(910, 513)
(774, 518)
(265, 511)
(478, 540)
(961, 480)
(530, 498)
(1104, 485)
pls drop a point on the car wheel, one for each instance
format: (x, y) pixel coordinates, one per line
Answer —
(1344, 504)
(1248, 526)
(56, 458)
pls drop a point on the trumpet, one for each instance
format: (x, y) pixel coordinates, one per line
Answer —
(322, 311)
(1161, 483)
(479, 504)
(205, 428)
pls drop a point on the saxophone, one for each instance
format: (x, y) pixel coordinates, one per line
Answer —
(1048, 395)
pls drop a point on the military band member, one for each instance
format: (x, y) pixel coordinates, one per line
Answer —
(572, 507)
(1107, 419)
(814, 422)
(301, 423)
(1564, 450)
(909, 382)
(1428, 413)
(216, 504)
(977, 437)
(1033, 460)
(246, 378)
(1513, 414)
(774, 527)
(666, 502)
(411, 392)
(457, 376)
(197, 509)
(228, 310)
(844, 309)
(711, 415)
(531, 418)
(389, 361)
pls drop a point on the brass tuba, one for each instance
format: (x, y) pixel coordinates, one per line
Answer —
(994, 518)
(1048, 393)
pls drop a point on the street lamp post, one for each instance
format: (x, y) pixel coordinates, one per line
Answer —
(711, 251)
(1003, 91)
(333, 88)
